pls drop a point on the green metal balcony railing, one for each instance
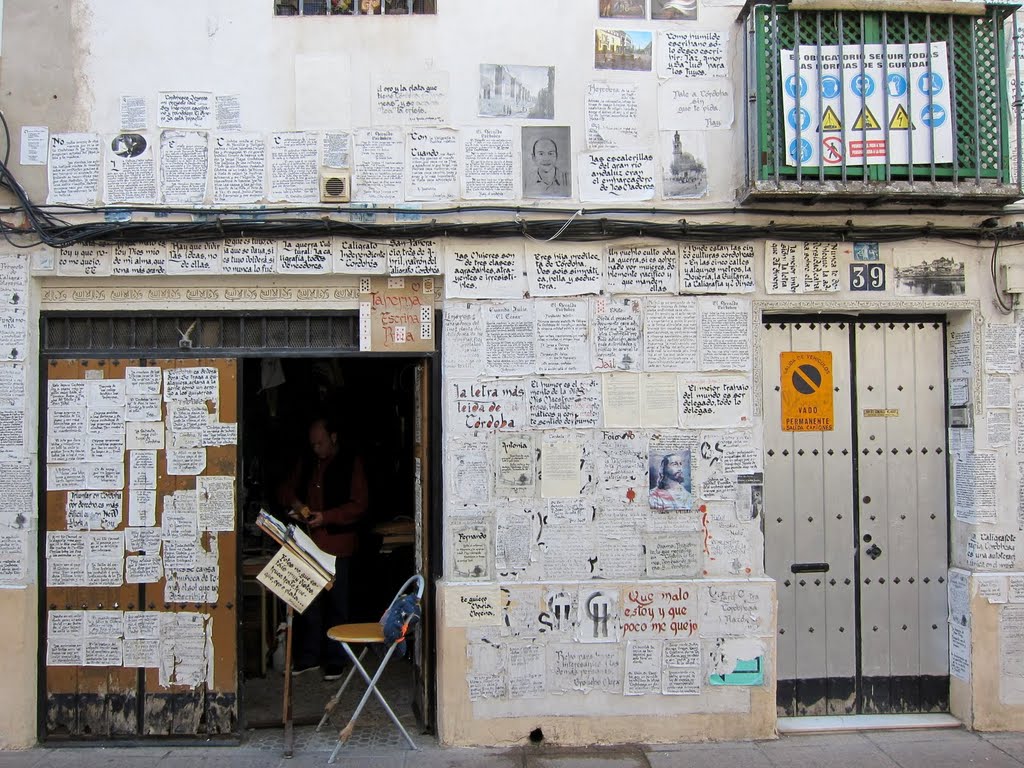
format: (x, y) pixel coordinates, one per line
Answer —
(981, 160)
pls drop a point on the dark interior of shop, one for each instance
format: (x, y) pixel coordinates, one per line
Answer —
(370, 403)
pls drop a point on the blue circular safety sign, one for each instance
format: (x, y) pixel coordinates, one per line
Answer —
(800, 151)
(933, 115)
(863, 85)
(896, 85)
(830, 87)
(930, 83)
(791, 86)
(805, 119)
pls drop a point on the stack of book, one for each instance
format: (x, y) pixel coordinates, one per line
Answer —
(300, 569)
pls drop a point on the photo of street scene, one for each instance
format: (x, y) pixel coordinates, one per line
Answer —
(621, 49)
(511, 90)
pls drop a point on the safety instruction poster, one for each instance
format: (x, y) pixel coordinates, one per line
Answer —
(806, 387)
(857, 104)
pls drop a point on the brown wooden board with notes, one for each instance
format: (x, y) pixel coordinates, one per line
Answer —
(188, 684)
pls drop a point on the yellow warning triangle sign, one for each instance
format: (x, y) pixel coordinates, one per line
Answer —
(901, 120)
(866, 121)
(830, 121)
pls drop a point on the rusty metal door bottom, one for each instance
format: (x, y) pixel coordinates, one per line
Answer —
(793, 725)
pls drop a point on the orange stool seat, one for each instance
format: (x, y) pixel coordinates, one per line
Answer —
(371, 632)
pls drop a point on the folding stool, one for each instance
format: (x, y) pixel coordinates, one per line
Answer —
(403, 612)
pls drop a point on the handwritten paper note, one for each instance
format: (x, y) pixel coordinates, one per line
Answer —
(695, 105)
(612, 115)
(73, 168)
(360, 257)
(801, 267)
(561, 462)
(94, 510)
(659, 610)
(473, 606)
(694, 54)
(239, 167)
(509, 332)
(992, 550)
(725, 328)
(471, 547)
(463, 349)
(379, 165)
(642, 668)
(515, 466)
(84, 260)
(562, 331)
(565, 402)
(216, 502)
(717, 268)
(294, 166)
(609, 175)
(734, 610)
(248, 256)
(719, 401)
(184, 109)
(575, 667)
(184, 166)
(130, 169)
(975, 485)
(414, 257)
(673, 555)
(485, 270)
(617, 334)
(139, 260)
(563, 269)
(487, 161)
(670, 334)
(414, 98)
(642, 269)
(432, 164)
(485, 406)
(292, 579)
(196, 385)
(308, 256)
(193, 258)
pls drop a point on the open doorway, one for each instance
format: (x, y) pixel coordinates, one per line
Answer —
(371, 403)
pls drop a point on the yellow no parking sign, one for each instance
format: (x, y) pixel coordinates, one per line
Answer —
(806, 385)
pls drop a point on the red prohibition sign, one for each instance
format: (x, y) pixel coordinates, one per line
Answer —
(832, 150)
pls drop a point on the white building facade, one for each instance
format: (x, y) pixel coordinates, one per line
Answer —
(718, 395)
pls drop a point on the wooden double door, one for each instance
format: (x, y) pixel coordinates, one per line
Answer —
(856, 515)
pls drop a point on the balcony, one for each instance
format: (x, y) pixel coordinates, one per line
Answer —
(882, 107)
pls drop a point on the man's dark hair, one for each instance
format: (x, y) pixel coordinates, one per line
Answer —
(329, 423)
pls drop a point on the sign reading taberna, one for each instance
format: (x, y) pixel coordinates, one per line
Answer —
(806, 389)
(873, 104)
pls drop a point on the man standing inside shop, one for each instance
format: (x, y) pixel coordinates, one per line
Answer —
(328, 491)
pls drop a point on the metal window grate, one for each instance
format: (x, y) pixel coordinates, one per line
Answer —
(983, 127)
(174, 334)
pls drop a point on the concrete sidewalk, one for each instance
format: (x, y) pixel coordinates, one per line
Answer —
(871, 749)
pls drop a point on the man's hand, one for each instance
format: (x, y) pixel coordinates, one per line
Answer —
(315, 519)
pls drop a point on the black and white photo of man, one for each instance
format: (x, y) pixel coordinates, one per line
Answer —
(547, 168)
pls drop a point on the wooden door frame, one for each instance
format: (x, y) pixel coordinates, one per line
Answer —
(800, 314)
(433, 443)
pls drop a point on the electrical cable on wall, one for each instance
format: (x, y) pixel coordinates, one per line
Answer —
(51, 225)
(1003, 307)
